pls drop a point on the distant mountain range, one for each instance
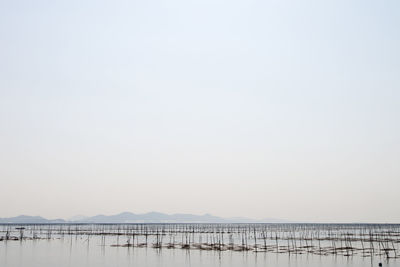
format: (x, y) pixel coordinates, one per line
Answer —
(29, 219)
(151, 217)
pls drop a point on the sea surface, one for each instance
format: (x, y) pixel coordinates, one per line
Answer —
(86, 245)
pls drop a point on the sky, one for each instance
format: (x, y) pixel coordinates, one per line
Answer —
(262, 109)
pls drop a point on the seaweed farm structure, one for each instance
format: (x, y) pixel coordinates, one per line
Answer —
(347, 240)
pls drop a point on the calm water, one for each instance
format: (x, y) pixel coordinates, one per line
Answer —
(96, 251)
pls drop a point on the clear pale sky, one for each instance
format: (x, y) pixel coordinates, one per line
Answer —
(283, 109)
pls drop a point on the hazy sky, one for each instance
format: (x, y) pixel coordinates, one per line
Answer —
(258, 108)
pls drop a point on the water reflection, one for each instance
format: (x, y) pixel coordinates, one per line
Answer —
(96, 251)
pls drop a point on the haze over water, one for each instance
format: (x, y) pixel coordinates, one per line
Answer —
(258, 108)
